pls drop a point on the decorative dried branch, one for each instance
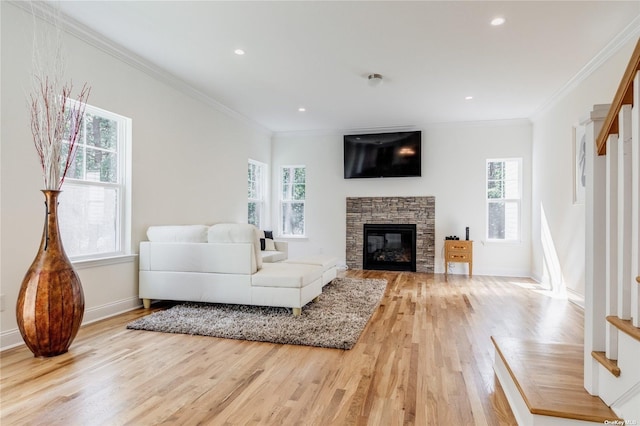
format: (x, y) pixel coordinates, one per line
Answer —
(54, 120)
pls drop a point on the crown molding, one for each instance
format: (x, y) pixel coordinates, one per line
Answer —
(505, 122)
(344, 131)
(48, 13)
(424, 127)
(629, 33)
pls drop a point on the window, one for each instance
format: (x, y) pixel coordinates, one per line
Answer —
(94, 203)
(503, 199)
(292, 196)
(256, 193)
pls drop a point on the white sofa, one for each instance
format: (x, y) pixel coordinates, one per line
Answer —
(223, 263)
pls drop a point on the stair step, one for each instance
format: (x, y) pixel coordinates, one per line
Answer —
(626, 326)
(609, 364)
(549, 377)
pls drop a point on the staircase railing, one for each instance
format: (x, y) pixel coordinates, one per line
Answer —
(624, 96)
(612, 314)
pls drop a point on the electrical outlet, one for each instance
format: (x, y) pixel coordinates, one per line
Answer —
(2, 307)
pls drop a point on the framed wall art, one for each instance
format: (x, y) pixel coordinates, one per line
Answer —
(579, 158)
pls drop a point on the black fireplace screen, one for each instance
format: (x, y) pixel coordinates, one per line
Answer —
(390, 247)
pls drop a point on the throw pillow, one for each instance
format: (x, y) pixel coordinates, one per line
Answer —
(270, 245)
(262, 244)
(268, 234)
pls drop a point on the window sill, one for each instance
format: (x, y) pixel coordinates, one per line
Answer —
(104, 261)
(503, 242)
(292, 237)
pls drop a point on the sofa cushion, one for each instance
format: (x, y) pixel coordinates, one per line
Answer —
(237, 233)
(322, 260)
(178, 234)
(286, 275)
(273, 256)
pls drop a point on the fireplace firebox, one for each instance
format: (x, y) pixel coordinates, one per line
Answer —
(390, 247)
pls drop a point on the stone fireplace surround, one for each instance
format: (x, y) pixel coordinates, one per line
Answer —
(420, 211)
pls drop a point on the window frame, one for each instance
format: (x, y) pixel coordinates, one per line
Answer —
(284, 201)
(261, 200)
(511, 200)
(122, 184)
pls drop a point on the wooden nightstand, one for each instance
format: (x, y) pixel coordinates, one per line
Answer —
(458, 251)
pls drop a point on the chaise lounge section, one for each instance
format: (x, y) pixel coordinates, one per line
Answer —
(223, 263)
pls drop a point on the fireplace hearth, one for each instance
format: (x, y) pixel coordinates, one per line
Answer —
(389, 247)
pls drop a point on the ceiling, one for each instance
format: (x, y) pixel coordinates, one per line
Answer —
(318, 54)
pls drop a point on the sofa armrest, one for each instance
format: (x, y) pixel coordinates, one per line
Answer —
(282, 246)
(144, 256)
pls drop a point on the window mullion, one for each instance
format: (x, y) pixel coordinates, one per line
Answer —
(92, 183)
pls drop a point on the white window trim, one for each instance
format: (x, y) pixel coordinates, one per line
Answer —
(517, 200)
(125, 138)
(281, 203)
(104, 261)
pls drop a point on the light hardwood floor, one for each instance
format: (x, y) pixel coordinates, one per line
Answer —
(425, 358)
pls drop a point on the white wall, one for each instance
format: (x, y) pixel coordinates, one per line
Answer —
(553, 212)
(453, 171)
(189, 163)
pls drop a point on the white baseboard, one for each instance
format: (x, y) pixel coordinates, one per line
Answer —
(12, 338)
(110, 309)
(575, 298)
(536, 277)
(628, 405)
(572, 295)
(462, 269)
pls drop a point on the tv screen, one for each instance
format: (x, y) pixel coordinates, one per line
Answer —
(382, 155)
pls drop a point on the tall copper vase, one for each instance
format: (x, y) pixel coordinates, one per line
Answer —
(51, 302)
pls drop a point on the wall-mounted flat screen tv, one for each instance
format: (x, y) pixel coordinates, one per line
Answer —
(383, 155)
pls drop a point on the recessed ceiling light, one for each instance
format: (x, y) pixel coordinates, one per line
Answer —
(498, 21)
(302, 109)
(239, 52)
(468, 98)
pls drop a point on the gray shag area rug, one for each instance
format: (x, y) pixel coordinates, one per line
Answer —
(335, 320)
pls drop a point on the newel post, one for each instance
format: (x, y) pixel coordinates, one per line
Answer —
(595, 250)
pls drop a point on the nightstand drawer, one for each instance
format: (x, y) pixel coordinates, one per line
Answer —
(458, 257)
(459, 246)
